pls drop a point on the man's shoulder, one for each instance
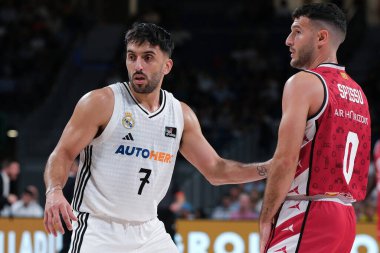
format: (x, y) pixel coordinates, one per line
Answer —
(101, 95)
(303, 81)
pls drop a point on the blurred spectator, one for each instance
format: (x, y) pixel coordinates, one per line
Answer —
(9, 174)
(223, 211)
(28, 206)
(186, 211)
(235, 192)
(200, 213)
(256, 200)
(245, 209)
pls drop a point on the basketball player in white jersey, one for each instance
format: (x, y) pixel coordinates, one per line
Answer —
(128, 135)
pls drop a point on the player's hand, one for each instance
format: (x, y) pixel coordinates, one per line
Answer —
(56, 206)
(265, 230)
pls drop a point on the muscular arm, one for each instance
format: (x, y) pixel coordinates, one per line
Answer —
(302, 97)
(198, 151)
(91, 114)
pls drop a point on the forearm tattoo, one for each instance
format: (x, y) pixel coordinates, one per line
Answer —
(262, 170)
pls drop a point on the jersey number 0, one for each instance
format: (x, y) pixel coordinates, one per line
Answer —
(350, 150)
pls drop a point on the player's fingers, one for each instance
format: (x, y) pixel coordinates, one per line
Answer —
(46, 221)
(71, 213)
(49, 222)
(57, 222)
(67, 216)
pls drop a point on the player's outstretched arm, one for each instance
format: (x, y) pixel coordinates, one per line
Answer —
(92, 112)
(196, 149)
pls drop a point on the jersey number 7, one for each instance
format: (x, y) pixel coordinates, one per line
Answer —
(144, 180)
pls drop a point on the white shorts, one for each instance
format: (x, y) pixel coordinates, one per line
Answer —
(93, 234)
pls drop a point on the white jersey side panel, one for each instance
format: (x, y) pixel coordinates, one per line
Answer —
(126, 171)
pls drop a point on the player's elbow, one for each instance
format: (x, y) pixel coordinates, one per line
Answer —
(215, 181)
(215, 174)
(212, 177)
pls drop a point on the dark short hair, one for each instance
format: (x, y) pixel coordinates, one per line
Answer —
(154, 34)
(7, 162)
(327, 12)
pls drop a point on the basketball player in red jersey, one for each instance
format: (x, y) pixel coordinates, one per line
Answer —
(321, 162)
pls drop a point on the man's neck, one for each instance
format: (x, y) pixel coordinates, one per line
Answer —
(150, 101)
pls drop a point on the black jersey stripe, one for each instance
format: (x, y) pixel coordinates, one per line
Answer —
(79, 232)
(86, 178)
(80, 179)
(85, 175)
(83, 231)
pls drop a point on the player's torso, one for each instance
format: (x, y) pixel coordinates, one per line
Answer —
(126, 171)
(335, 154)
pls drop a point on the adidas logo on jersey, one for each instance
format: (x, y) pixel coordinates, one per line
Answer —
(128, 137)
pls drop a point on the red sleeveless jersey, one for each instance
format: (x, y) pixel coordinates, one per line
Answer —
(335, 154)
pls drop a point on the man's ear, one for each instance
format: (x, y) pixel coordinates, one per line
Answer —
(323, 37)
(168, 66)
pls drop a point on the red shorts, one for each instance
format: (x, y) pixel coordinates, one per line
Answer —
(313, 226)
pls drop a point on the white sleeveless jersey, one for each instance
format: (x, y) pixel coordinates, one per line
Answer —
(126, 171)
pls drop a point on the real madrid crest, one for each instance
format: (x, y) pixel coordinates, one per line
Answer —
(128, 121)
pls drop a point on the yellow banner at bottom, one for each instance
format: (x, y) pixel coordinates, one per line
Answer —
(210, 236)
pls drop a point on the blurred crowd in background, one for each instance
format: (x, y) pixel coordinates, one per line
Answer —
(230, 65)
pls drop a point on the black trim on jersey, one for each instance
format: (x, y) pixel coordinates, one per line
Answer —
(79, 232)
(74, 244)
(324, 84)
(163, 107)
(80, 178)
(162, 98)
(303, 226)
(137, 103)
(83, 179)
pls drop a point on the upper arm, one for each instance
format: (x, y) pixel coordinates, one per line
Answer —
(194, 146)
(303, 96)
(90, 115)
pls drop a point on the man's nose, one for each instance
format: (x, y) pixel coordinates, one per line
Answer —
(288, 41)
(138, 64)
